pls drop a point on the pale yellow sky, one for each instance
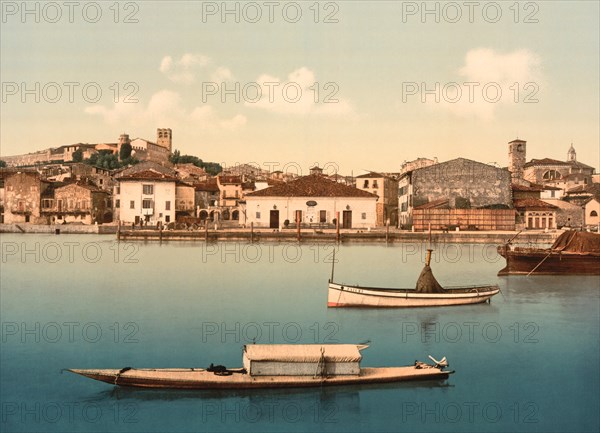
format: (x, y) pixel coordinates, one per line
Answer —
(362, 85)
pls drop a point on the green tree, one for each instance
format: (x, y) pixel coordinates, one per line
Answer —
(211, 168)
(125, 152)
(78, 155)
(2, 163)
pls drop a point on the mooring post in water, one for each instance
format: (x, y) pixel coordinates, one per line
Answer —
(206, 230)
(387, 231)
(428, 257)
(252, 232)
(298, 224)
(332, 265)
(337, 226)
(160, 230)
(119, 230)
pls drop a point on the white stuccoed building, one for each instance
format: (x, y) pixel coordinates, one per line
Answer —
(147, 196)
(318, 201)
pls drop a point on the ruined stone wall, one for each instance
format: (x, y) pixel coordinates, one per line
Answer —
(481, 184)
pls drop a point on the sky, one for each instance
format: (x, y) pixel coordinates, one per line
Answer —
(351, 85)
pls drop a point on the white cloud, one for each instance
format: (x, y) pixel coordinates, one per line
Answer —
(221, 74)
(166, 64)
(166, 108)
(206, 118)
(493, 79)
(301, 94)
(189, 66)
(485, 65)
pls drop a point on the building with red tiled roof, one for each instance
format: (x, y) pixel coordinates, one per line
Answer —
(535, 213)
(562, 174)
(206, 195)
(76, 202)
(145, 196)
(316, 199)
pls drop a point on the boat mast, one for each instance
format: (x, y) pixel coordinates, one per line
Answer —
(429, 250)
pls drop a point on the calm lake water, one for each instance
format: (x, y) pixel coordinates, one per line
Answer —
(529, 361)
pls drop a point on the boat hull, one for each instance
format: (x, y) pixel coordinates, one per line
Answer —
(522, 261)
(202, 379)
(340, 295)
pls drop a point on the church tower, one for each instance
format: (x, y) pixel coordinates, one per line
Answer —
(516, 158)
(164, 138)
(571, 154)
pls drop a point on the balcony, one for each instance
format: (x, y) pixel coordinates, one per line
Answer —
(21, 210)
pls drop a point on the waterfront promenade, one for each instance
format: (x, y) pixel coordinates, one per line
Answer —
(379, 235)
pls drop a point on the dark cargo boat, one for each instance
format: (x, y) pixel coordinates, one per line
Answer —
(573, 253)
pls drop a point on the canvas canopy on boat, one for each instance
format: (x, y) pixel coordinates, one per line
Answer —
(309, 359)
(577, 242)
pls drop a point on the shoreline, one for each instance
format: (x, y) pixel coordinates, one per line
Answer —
(289, 235)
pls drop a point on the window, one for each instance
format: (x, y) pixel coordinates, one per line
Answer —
(117, 203)
(551, 175)
(257, 215)
(132, 204)
(363, 215)
(147, 204)
(168, 218)
(593, 213)
(148, 189)
(168, 205)
(323, 216)
(118, 189)
(375, 184)
(366, 184)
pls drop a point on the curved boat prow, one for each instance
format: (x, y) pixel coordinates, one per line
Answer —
(442, 363)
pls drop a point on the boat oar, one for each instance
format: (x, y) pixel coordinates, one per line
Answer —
(538, 265)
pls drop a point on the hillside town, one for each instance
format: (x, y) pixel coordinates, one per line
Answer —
(74, 184)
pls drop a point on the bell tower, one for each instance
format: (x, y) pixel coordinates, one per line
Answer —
(164, 138)
(516, 158)
(571, 154)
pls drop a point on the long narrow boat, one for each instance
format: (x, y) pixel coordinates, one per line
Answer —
(428, 293)
(275, 366)
(572, 253)
(341, 295)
